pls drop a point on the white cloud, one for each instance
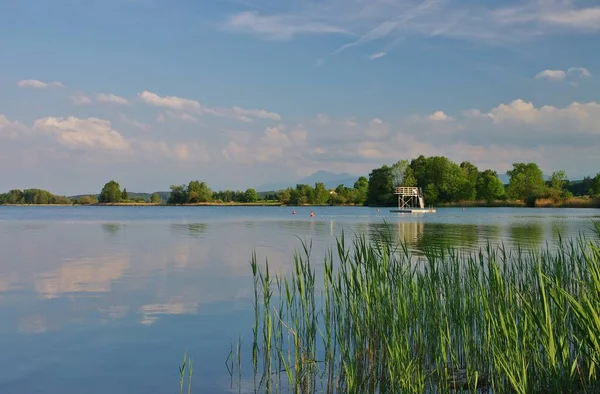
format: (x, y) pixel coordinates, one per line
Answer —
(191, 151)
(570, 17)
(9, 129)
(573, 74)
(180, 151)
(377, 55)
(440, 116)
(274, 136)
(194, 107)
(90, 134)
(581, 72)
(36, 84)
(170, 102)
(581, 116)
(278, 27)
(299, 136)
(111, 98)
(552, 75)
(256, 113)
(80, 99)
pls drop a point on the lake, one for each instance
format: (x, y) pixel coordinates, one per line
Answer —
(108, 299)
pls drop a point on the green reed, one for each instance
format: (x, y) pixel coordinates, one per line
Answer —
(384, 321)
(186, 366)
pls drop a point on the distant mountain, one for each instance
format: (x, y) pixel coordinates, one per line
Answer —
(330, 179)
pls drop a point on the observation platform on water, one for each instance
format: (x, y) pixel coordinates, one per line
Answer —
(410, 200)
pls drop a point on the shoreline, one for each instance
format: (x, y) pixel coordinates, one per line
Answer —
(582, 204)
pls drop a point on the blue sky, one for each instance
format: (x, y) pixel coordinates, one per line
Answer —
(240, 93)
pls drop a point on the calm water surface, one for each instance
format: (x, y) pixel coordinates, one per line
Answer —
(107, 299)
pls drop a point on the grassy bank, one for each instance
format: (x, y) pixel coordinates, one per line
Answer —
(483, 204)
(200, 204)
(500, 320)
(573, 202)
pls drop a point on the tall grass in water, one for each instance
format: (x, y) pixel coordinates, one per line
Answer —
(384, 322)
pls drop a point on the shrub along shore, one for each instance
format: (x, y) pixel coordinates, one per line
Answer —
(382, 321)
(444, 183)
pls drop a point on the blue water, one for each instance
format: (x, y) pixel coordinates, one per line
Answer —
(107, 299)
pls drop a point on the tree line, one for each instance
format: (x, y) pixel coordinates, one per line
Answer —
(442, 180)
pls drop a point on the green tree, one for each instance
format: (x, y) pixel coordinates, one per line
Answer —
(431, 194)
(111, 193)
(361, 188)
(409, 178)
(251, 195)
(37, 196)
(178, 195)
(14, 196)
(381, 187)
(399, 172)
(86, 200)
(557, 183)
(594, 190)
(155, 199)
(124, 195)
(198, 192)
(304, 194)
(558, 180)
(526, 181)
(284, 196)
(471, 174)
(449, 182)
(321, 194)
(489, 186)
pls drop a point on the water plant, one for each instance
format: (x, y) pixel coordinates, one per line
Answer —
(381, 320)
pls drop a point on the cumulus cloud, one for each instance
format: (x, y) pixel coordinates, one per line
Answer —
(584, 116)
(190, 107)
(37, 84)
(573, 74)
(111, 98)
(440, 116)
(179, 151)
(552, 75)
(9, 129)
(274, 144)
(89, 134)
(490, 138)
(170, 102)
(256, 113)
(579, 71)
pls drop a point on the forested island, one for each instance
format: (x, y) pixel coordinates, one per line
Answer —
(444, 182)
